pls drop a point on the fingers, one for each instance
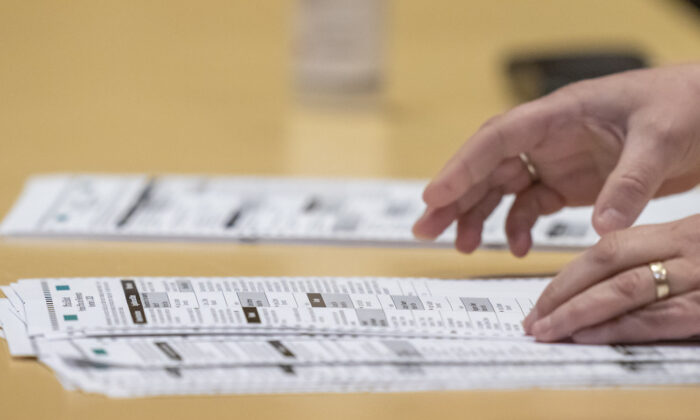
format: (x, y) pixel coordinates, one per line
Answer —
(614, 253)
(634, 181)
(677, 317)
(471, 224)
(510, 177)
(609, 299)
(520, 130)
(527, 207)
(435, 220)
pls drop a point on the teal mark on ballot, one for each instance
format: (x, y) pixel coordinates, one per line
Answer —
(62, 287)
(99, 352)
(70, 317)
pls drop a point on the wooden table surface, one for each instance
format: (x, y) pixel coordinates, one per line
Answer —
(205, 87)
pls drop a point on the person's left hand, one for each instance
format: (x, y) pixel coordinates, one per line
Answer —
(608, 294)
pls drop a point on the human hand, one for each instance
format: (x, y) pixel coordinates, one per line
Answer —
(609, 295)
(616, 141)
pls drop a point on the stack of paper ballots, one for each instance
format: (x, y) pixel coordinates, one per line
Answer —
(132, 337)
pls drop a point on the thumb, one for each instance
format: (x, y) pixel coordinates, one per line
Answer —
(629, 187)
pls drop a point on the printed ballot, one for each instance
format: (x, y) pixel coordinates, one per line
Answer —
(143, 336)
(284, 210)
(391, 306)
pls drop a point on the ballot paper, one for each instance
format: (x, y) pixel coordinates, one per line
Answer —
(362, 305)
(146, 336)
(226, 350)
(131, 382)
(282, 210)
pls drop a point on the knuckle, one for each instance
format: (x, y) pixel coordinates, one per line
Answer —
(664, 135)
(657, 127)
(634, 184)
(628, 286)
(606, 250)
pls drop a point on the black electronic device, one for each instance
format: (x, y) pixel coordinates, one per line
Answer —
(536, 75)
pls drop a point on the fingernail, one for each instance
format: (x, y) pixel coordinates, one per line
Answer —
(542, 328)
(416, 229)
(529, 319)
(422, 237)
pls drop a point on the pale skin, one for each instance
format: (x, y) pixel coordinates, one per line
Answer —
(615, 143)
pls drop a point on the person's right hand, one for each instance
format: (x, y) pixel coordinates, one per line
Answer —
(616, 141)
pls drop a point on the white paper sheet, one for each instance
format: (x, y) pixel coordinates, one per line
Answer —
(284, 210)
(295, 350)
(132, 382)
(15, 331)
(388, 306)
(134, 337)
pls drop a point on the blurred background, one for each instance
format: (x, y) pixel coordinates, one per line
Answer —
(369, 88)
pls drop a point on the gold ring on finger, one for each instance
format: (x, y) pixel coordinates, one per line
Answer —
(660, 274)
(531, 169)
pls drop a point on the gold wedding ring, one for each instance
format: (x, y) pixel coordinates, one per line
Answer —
(534, 176)
(660, 274)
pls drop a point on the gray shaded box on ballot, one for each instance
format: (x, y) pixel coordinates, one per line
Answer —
(477, 304)
(372, 317)
(155, 300)
(407, 302)
(184, 286)
(337, 300)
(257, 299)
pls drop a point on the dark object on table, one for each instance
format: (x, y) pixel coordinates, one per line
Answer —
(695, 3)
(533, 76)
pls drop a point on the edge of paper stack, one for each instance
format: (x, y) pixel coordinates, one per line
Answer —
(147, 336)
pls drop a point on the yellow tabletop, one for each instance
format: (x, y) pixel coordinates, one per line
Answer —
(205, 87)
